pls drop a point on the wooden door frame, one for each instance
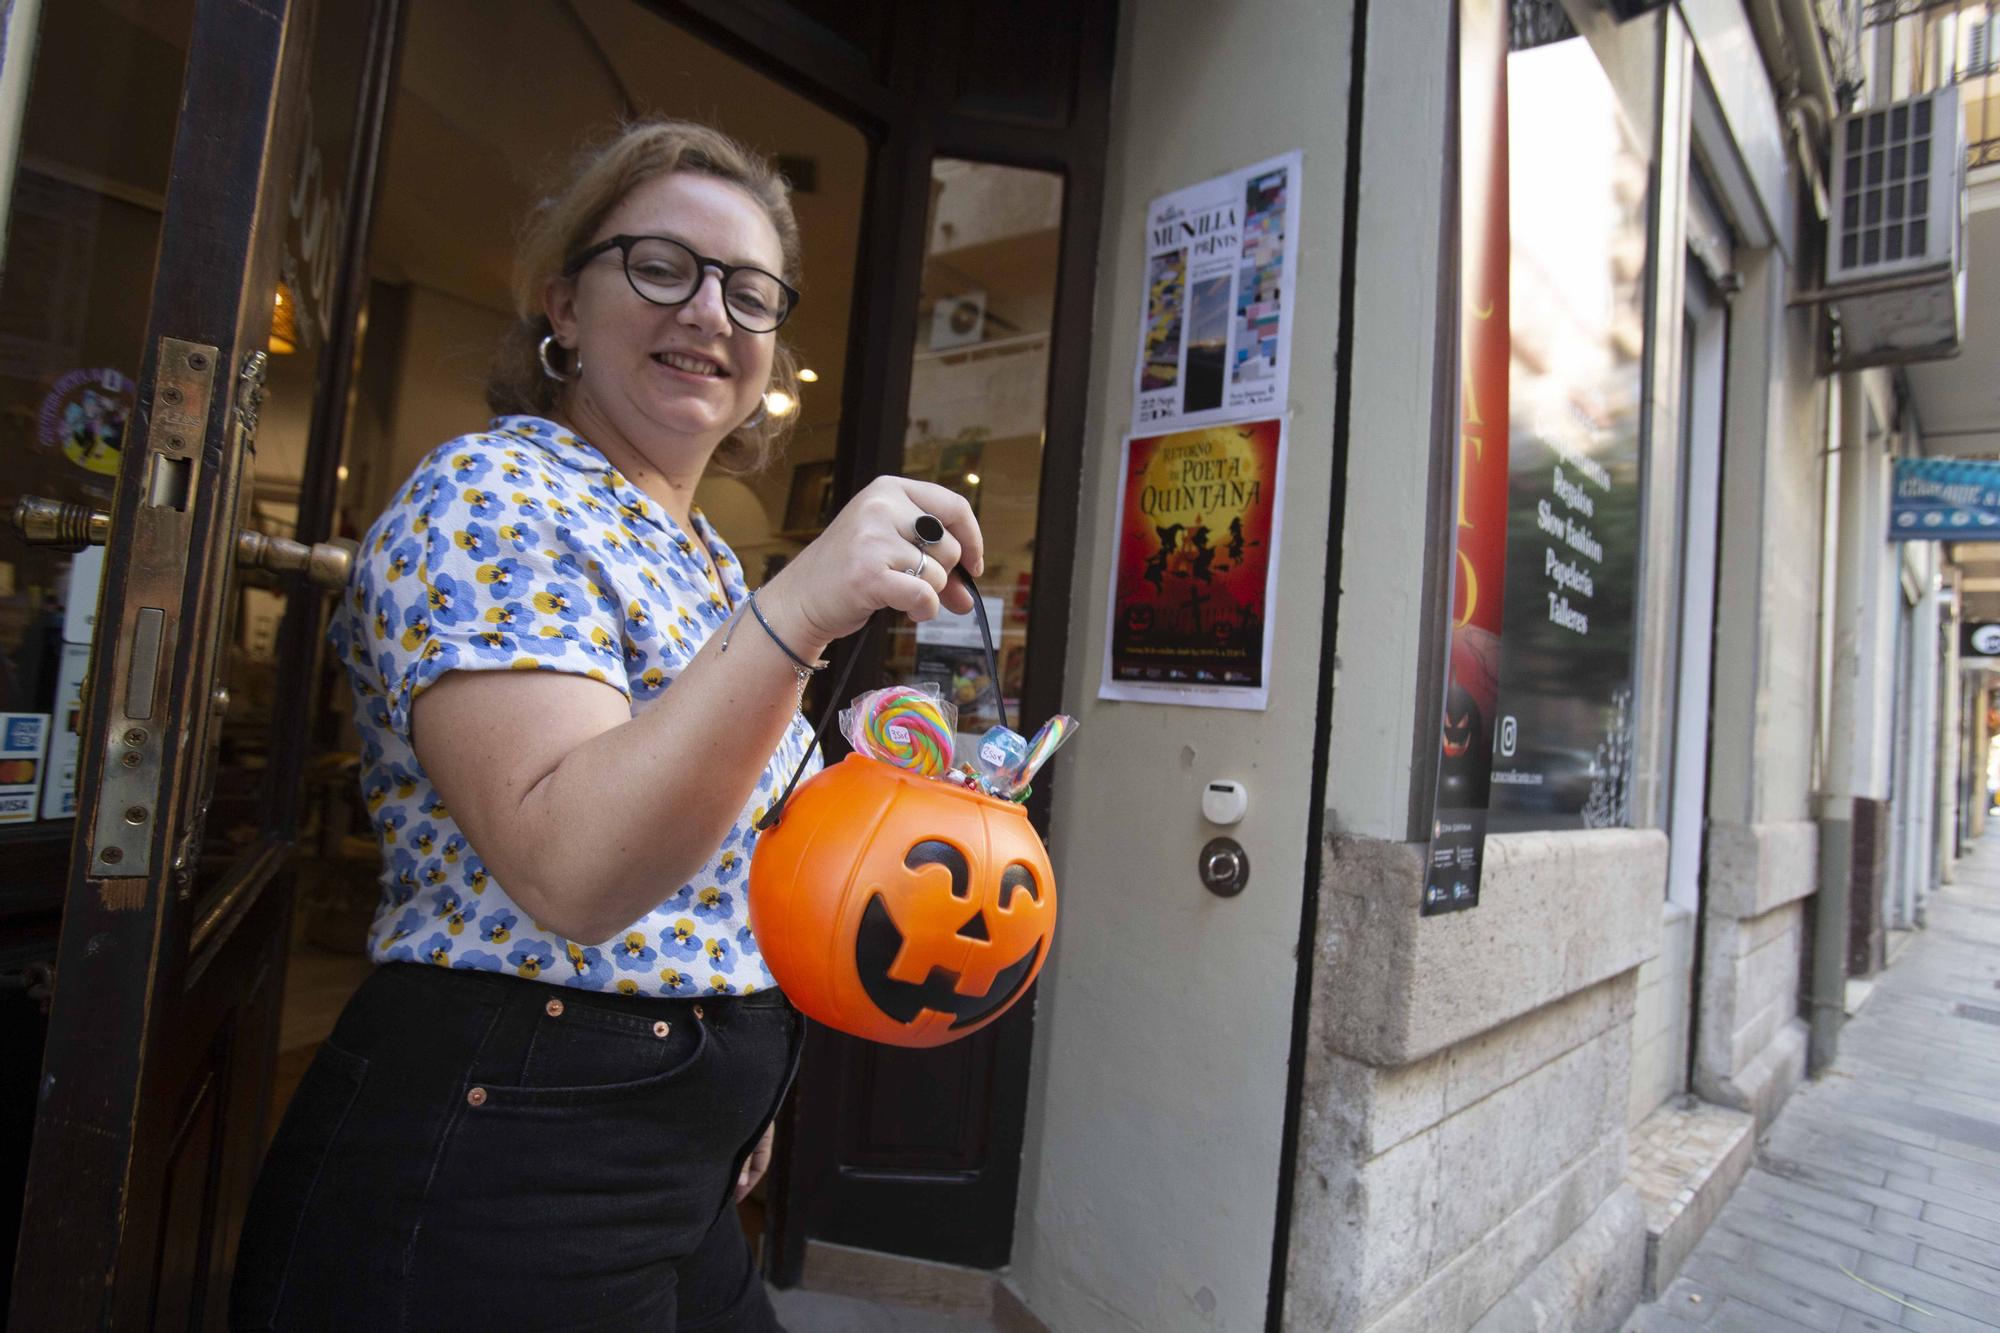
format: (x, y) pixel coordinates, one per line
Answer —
(900, 106)
(99, 1204)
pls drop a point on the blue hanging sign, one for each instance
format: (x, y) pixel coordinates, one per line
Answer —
(1945, 499)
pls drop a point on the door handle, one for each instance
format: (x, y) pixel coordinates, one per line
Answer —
(71, 527)
(325, 564)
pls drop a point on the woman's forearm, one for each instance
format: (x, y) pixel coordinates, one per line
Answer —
(614, 822)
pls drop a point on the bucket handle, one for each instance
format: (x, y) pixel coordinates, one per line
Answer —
(771, 816)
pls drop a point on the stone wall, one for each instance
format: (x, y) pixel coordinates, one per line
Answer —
(1466, 1087)
(1750, 1051)
(1660, 1019)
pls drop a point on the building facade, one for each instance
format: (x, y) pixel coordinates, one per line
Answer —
(1308, 1090)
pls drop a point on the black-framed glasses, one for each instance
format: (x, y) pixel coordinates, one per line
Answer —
(665, 272)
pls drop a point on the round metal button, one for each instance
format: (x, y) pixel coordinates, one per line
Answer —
(477, 1097)
(553, 1008)
(662, 1028)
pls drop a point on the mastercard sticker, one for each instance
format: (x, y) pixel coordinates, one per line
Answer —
(23, 738)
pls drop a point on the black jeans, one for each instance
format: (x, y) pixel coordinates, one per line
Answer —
(474, 1150)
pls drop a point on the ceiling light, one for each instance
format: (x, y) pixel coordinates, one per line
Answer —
(972, 478)
(341, 472)
(808, 376)
(780, 404)
(284, 339)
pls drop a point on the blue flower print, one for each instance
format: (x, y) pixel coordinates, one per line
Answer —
(632, 953)
(590, 969)
(441, 656)
(476, 540)
(416, 627)
(558, 599)
(522, 547)
(513, 617)
(451, 911)
(400, 953)
(403, 558)
(552, 640)
(679, 940)
(503, 578)
(449, 600)
(531, 958)
(437, 949)
(490, 645)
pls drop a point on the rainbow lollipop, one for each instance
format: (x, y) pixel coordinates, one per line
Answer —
(905, 727)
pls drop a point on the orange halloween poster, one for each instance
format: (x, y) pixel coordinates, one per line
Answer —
(1195, 566)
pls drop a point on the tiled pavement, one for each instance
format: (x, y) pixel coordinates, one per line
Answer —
(1875, 1199)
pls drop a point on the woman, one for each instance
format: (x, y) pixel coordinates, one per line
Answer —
(542, 1106)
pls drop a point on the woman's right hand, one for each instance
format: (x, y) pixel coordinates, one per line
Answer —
(865, 558)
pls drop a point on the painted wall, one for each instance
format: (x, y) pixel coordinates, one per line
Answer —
(1150, 1174)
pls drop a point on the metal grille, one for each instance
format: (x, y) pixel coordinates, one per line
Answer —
(1885, 189)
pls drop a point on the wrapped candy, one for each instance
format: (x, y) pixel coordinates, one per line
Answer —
(908, 726)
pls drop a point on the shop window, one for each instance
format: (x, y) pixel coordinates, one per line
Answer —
(978, 404)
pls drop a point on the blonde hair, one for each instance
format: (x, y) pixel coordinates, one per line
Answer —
(599, 179)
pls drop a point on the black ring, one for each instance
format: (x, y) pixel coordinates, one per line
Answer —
(928, 530)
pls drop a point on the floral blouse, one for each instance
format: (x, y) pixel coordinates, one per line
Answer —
(522, 548)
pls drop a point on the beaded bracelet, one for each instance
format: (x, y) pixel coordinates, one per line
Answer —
(799, 664)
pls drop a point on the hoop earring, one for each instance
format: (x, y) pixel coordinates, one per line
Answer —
(757, 419)
(548, 366)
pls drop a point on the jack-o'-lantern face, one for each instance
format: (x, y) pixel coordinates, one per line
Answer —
(1138, 618)
(1461, 722)
(900, 908)
(993, 928)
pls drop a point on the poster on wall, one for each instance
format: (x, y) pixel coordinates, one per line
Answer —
(1578, 171)
(1195, 566)
(1479, 543)
(1215, 332)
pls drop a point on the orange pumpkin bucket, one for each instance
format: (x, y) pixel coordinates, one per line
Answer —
(900, 908)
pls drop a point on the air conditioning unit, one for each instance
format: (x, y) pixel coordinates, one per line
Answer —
(1895, 255)
(958, 321)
